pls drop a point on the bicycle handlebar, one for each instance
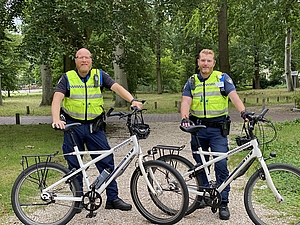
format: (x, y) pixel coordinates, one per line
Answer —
(122, 114)
(253, 119)
(258, 117)
(136, 126)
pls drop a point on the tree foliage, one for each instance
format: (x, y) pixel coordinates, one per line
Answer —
(161, 39)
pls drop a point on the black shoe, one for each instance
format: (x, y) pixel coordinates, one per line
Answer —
(79, 208)
(224, 213)
(118, 204)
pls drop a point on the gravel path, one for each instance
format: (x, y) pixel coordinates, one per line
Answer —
(167, 133)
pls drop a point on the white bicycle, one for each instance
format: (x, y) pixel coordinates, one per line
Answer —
(50, 187)
(272, 193)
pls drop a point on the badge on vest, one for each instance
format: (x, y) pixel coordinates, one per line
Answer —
(220, 84)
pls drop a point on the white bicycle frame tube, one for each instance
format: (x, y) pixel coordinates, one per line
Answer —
(218, 156)
(136, 150)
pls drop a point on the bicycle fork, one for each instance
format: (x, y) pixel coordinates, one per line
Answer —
(150, 186)
(269, 180)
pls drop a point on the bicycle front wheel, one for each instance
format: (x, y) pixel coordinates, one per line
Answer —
(26, 195)
(260, 201)
(193, 181)
(171, 193)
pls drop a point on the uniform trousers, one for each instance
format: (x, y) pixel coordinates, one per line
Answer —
(91, 141)
(211, 137)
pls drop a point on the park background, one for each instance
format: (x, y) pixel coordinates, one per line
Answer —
(150, 47)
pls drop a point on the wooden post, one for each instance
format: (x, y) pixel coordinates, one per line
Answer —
(17, 118)
(179, 107)
(155, 105)
(263, 103)
(27, 109)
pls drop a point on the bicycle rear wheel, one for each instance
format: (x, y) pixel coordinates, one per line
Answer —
(193, 181)
(260, 201)
(26, 195)
(173, 198)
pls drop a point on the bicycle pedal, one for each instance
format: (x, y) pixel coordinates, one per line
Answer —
(214, 210)
(91, 215)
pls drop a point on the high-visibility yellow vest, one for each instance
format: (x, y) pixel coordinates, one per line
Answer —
(208, 102)
(86, 100)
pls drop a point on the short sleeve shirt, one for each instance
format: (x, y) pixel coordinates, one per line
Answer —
(228, 85)
(63, 86)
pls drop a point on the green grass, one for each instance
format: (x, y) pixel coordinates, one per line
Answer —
(19, 103)
(163, 103)
(18, 140)
(286, 146)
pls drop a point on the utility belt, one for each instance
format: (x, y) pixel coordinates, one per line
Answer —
(223, 124)
(95, 125)
(99, 124)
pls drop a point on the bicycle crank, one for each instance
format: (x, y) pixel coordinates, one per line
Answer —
(92, 201)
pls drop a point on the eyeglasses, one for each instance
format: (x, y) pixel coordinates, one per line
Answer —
(83, 57)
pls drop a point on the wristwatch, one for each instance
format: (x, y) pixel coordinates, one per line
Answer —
(133, 100)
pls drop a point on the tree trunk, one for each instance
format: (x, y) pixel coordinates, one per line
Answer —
(47, 85)
(287, 61)
(197, 56)
(69, 63)
(0, 92)
(256, 79)
(120, 75)
(223, 37)
(158, 71)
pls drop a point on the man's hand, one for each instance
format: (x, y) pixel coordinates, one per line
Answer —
(59, 124)
(137, 104)
(245, 114)
(186, 122)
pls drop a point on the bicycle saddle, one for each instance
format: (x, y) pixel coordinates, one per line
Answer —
(192, 129)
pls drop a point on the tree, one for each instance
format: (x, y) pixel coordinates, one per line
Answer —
(7, 12)
(58, 27)
(223, 37)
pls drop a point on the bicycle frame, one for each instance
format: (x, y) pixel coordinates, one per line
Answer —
(135, 151)
(244, 164)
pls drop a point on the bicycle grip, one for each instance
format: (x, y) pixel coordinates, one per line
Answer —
(109, 111)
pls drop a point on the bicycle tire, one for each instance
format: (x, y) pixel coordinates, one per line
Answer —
(260, 202)
(194, 181)
(26, 195)
(174, 194)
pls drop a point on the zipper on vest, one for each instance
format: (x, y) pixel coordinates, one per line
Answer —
(204, 100)
(86, 101)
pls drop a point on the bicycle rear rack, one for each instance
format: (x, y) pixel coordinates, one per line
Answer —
(165, 150)
(28, 160)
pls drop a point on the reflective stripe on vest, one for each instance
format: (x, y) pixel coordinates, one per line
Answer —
(85, 101)
(208, 102)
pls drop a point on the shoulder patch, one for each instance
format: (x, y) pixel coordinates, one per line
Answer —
(229, 80)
